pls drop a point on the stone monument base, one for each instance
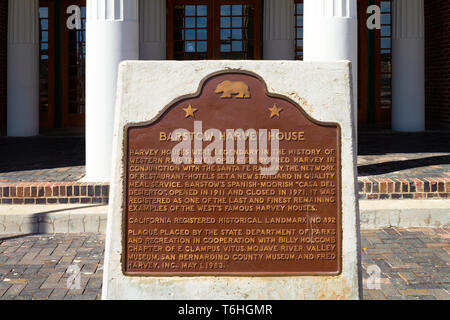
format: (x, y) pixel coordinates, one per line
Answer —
(312, 100)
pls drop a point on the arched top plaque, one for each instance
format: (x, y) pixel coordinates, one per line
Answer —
(232, 181)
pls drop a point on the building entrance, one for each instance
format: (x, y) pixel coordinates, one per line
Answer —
(214, 29)
(62, 64)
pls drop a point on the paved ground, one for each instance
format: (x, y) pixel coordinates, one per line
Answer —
(413, 264)
(39, 267)
(61, 157)
(404, 155)
(43, 158)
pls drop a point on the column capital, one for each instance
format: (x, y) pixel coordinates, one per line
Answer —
(112, 10)
(408, 19)
(23, 18)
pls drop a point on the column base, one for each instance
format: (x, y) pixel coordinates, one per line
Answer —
(278, 50)
(152, 51)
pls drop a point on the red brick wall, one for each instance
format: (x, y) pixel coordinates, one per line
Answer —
(437, 63)
(3, 37)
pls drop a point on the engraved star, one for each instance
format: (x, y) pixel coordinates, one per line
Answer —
(275, 111)
(190, 112)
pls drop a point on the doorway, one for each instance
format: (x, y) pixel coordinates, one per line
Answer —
(214, 29)
(375, 66)
(62, 65)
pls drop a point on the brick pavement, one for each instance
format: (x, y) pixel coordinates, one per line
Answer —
(414, 264)
(39, 267)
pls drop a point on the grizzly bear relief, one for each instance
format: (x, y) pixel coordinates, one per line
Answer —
(231, 88)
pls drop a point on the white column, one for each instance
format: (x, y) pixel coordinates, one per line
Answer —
(23, 68)
(408, 66)
(278, 30)
(152, 25)
(331, 33)
(112, 35)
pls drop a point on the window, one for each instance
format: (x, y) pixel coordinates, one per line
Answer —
(62, 65)
(76, 67)
(46, 65)
(386, 55)
(298, 29)
(236, 31)
(73, 58)
(213, 29)
(44, 55)
(190, 32)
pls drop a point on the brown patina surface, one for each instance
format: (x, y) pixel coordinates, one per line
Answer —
(228, 219)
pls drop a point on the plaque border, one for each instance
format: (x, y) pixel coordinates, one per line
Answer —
(197, 94)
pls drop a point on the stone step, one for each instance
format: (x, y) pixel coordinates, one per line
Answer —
(375, 214)
(41, 219)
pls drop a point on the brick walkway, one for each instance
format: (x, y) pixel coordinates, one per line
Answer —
(414, 264)
(35, 267)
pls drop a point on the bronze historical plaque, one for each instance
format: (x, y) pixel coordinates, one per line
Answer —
(232, 181)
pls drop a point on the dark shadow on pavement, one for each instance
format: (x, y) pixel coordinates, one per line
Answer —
(393, 166)
(43, 152)
(387, 142)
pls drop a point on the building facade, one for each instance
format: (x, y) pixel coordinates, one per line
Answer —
(59, 58)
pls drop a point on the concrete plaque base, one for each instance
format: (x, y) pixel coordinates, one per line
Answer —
(164, 95)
